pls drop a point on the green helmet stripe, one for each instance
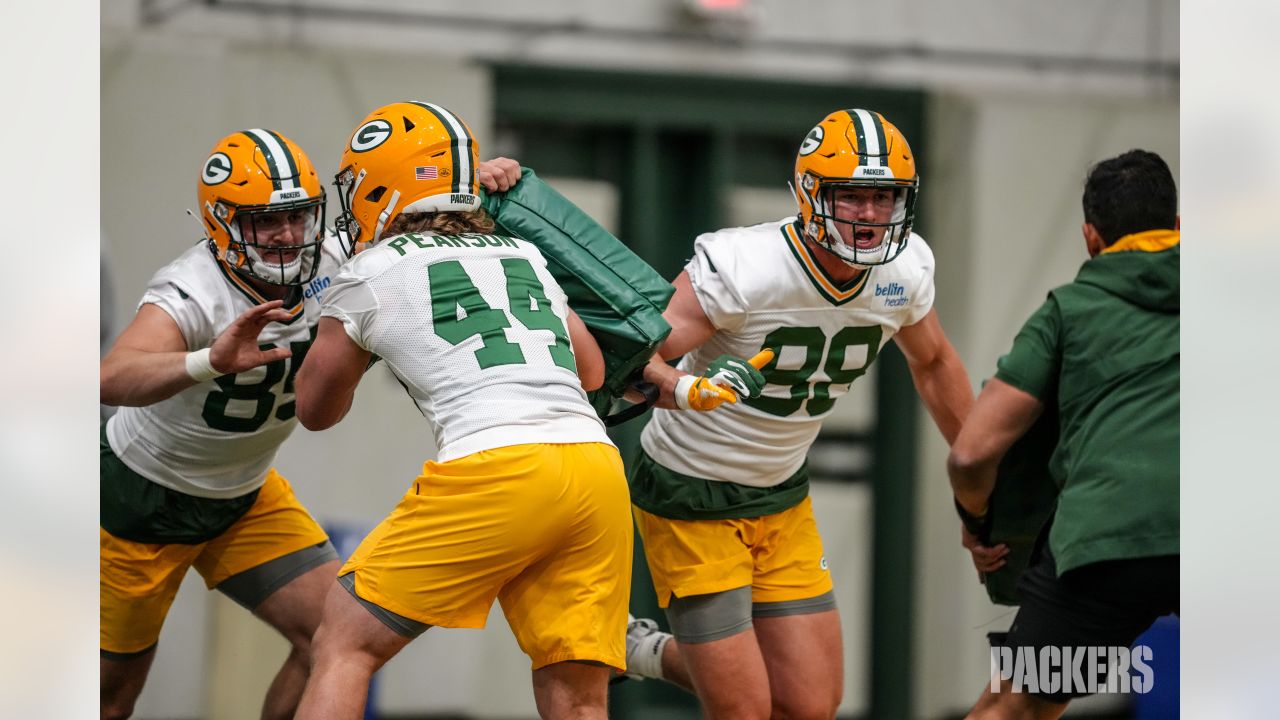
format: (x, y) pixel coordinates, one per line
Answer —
(870, 129)
(862, 136)
(278, 170)
(288, 156)
(460, 145)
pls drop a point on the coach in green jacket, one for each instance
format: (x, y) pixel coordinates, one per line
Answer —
(1102, 352)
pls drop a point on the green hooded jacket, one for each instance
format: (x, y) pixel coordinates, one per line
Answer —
(1103, 352)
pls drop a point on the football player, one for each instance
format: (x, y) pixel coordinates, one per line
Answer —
(205, 374)
(722, 499)
(526, 501)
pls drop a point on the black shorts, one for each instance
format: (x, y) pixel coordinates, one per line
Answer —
(1105, 604)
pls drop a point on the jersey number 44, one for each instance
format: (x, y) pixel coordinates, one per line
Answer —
(452, 288)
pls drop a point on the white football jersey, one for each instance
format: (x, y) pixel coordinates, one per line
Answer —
(761, 287)
(476, 330)
(217, 439)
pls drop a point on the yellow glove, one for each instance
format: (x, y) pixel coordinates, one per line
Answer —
(705, 394)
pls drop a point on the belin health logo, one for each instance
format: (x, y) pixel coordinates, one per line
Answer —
(894, 294)
(315, 286)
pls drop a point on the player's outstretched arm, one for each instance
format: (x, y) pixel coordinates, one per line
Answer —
(690, 328)
(326, 382)
(150, 362)
(938, 373)
(1002, 414)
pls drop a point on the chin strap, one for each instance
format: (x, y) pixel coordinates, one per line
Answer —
(203, 233)
(382, 217)
(213, 246)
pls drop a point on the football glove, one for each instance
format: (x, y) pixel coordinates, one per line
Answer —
(739, 374)
(728, 377)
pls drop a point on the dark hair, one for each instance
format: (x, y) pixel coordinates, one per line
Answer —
(444, 223)
(1130, 193)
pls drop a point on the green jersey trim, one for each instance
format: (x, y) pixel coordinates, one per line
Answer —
(136, 509)
(294, 299)
(667, 493)
(828, 287)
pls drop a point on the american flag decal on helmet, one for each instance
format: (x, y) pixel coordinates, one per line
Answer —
(430, 172)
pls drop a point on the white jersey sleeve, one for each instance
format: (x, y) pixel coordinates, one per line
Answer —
(352, 302)
(922, 298)
(182, 300)
(711, 271)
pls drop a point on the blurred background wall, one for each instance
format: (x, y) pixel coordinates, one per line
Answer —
(662, 118)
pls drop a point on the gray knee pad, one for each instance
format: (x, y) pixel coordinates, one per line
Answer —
(715, 616)
(401, 625)
(256, 584)
(824, 602)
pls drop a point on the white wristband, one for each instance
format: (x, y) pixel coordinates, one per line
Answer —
(199, 367)
(682, 390)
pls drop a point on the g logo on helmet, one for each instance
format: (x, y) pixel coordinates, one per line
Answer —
(370, 135)
(811, 141)
(216, 169)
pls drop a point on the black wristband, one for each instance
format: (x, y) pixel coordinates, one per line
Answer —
(979, 527)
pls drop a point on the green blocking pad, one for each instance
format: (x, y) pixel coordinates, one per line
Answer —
(619, 297)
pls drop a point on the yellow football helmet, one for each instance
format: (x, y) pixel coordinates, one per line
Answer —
(262, 207)
(855, 148)
(403, 158)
